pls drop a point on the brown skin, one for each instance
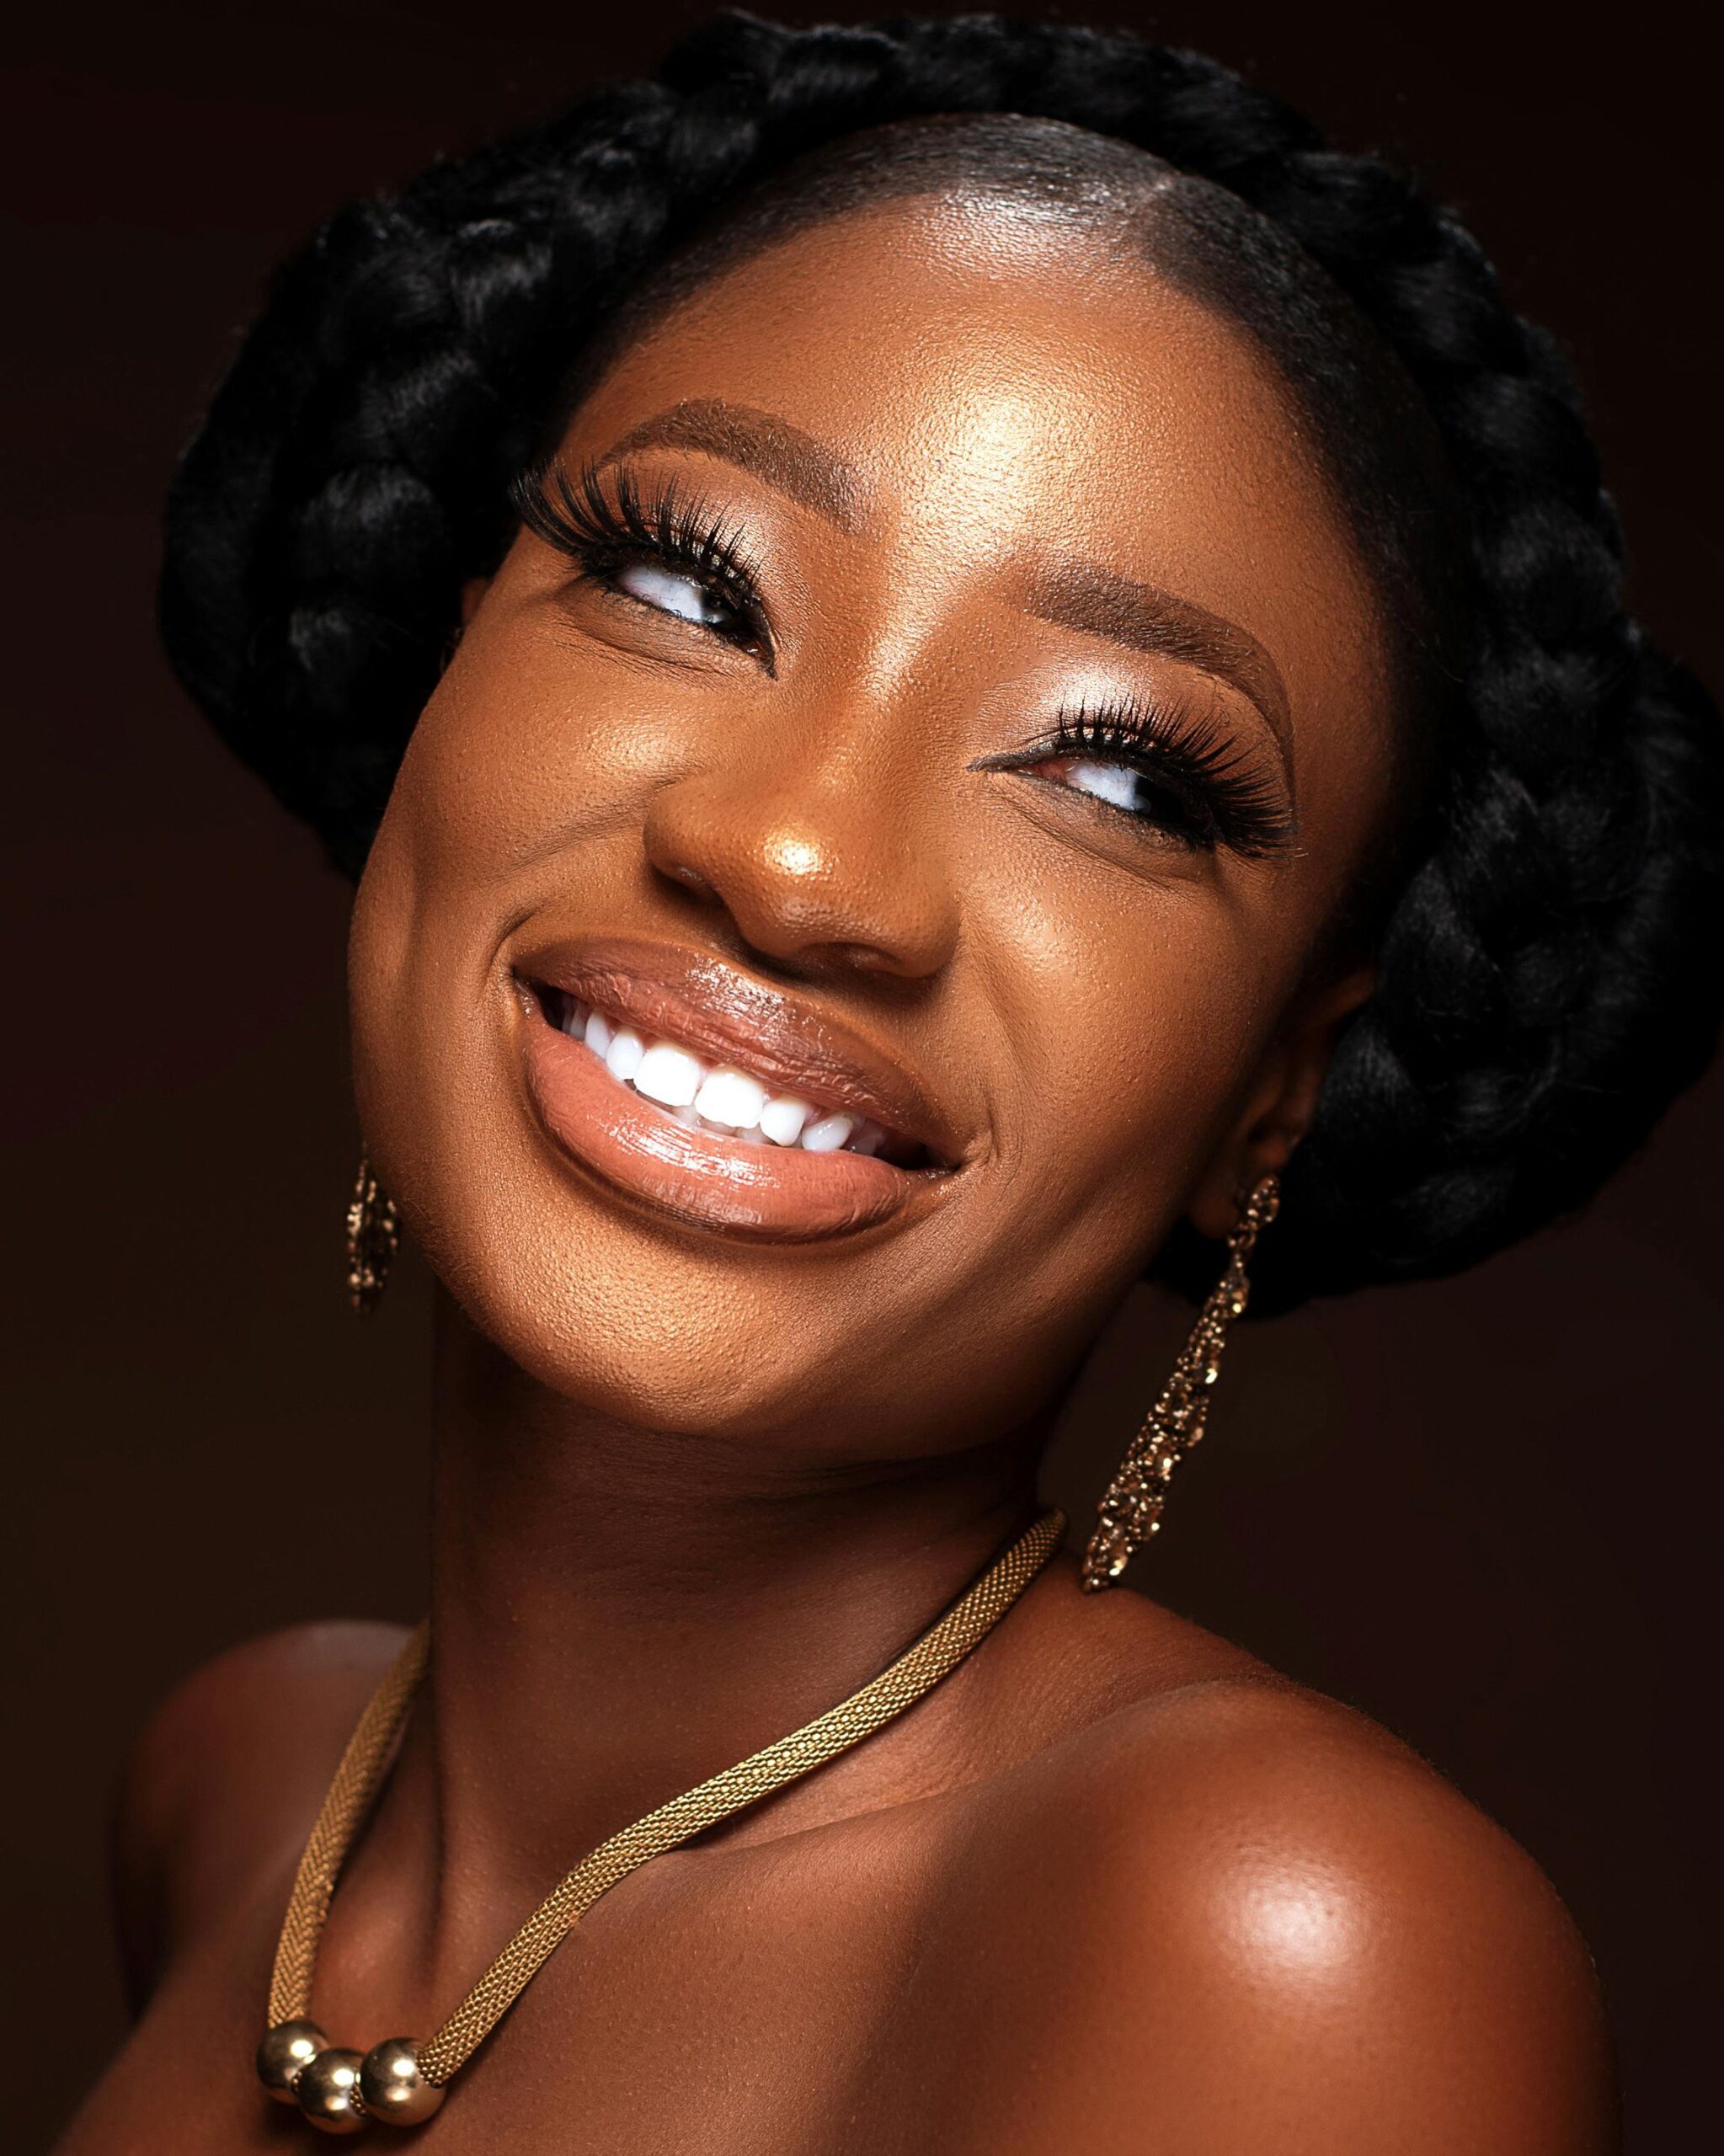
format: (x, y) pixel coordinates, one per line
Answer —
(1114, 1885)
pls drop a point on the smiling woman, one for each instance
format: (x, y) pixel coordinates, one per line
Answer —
(960, 665)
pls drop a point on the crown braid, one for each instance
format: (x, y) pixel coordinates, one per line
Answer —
(1536, 1006)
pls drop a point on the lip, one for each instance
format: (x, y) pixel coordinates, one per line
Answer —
(703, 1003)
(726, 1015)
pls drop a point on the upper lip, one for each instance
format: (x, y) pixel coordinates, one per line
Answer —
(702, 1002)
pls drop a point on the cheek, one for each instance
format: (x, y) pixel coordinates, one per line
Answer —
(523, 757)
(522, 750)
(1137, 1014)
(505, 772)
(1159, 1018)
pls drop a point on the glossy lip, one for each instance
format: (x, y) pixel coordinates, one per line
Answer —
(724, 1014)
(727, 1016)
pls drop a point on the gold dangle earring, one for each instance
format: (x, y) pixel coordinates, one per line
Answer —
(373, 1237)
(1131, 1512)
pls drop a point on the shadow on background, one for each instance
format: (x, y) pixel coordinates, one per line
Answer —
(1474, 1508)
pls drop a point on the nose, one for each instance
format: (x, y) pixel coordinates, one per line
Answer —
(820, 872)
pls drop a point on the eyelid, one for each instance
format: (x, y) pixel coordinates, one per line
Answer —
(1232, 802)
(677, 530)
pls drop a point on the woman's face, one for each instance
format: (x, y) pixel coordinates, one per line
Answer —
(946, 719)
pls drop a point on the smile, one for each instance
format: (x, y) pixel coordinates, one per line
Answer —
(718, 1098)
(709, 1094)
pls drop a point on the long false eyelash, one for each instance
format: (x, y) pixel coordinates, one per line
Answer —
(1224, 799)
(599, 527)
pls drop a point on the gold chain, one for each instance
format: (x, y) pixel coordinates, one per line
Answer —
(344, 1805)
(935, 1655)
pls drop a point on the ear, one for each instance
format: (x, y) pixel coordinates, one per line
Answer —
(1282, 1102)
(472, 593)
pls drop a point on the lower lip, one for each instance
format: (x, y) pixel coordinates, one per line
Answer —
(760, 1190)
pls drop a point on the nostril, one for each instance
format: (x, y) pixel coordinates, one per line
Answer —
(691, 879)
(865, 957)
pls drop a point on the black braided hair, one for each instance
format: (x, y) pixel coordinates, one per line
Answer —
(1537, 1004)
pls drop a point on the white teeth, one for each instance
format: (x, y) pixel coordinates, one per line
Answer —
(669, 1075)
(781, 1120)
(725, 1103)
(732, 1099)
(622, 1059)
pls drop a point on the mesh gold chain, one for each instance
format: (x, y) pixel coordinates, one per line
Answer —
(935, 1655)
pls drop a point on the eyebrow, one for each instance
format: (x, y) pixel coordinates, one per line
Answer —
(1099, 602)
(788, 460)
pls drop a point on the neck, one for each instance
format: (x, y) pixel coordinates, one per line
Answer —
(618, 1613)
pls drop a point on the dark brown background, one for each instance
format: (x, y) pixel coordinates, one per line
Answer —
(1476, 1509)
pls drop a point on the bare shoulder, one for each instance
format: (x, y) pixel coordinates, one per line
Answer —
(226, 1775)
(1247, 1916)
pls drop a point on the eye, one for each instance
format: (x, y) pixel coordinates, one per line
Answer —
(1129, 782)
(681, 593)
(666, 551)
(1183, 780)
(1121, 785)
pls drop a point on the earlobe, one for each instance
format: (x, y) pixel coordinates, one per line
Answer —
(1282, 1104)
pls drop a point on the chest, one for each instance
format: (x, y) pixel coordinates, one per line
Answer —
(770, 1998)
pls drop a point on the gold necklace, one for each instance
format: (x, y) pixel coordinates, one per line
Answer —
(403, 2082)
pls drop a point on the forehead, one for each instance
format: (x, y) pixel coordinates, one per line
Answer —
(1001, 378)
